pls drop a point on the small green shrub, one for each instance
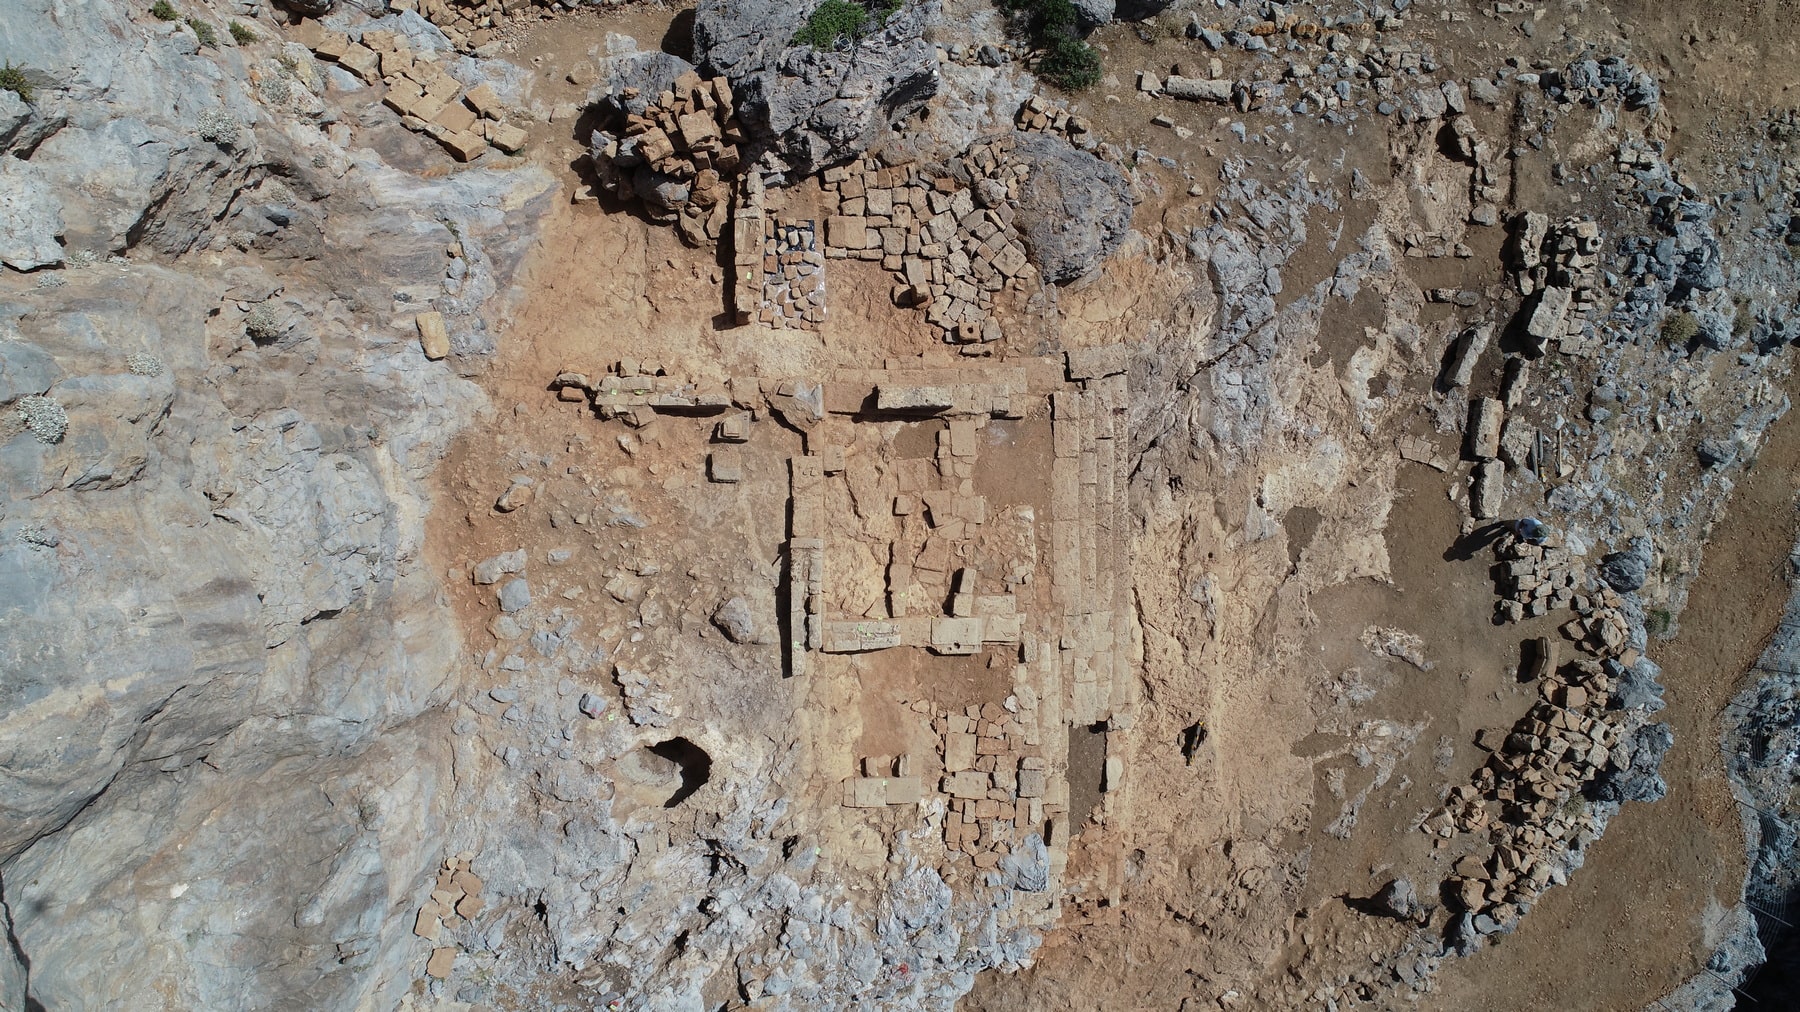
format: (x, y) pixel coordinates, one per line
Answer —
(163, 10)
(1065, 60)
(13, 79)
(1070, 64)
(834, 23)
(1743, 317)
(1680, 328)
(205, 32)
(240, 34)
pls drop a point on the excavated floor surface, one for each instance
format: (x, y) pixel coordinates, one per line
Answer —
(603, 285)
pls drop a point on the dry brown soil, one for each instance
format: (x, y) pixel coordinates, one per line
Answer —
(1629, 926)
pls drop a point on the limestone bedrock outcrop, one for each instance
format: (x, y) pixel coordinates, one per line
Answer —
(220, 648)
(1074, 209)
(807, 107)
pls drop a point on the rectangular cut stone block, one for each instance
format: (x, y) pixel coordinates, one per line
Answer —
(847, 232)
(904, 791)
(959, 751)
(1198, 89)
(361, 61)
(967, 785)
(956, 635)
(921, 398)
(860, 635)
(484, 100)
(462, 146)
(1548, 320)
(867, 792)
(1487, 489)
(1485, 417)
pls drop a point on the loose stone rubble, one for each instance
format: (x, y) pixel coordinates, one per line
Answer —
(418, 87)
(455, 899)
(677, 152)
(948, 240)
(955, 536)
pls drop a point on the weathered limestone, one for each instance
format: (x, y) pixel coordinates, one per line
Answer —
(1486, 416)
(1487, 490)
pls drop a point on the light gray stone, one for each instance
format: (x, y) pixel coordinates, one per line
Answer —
(31, 217)
(1074, 209)
(1196, 89)
(514, 595)
(491, 569)
(813, 108)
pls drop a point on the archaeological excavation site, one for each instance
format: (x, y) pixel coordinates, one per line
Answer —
(985, 505)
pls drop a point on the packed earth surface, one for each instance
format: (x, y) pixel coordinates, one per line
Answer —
(916, 504)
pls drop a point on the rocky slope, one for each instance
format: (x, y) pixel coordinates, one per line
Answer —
(287, 725)
(217, 637)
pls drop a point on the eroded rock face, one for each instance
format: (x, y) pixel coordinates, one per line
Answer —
(214, 688)
(811, 108)
(30, 217)
(1074, 209)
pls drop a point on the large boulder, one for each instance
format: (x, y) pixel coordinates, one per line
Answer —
(31, 217)
(1094, 13)
(1074, 209)
(1626, 571)
(1140, 10)
(808, 107)
(649, 72)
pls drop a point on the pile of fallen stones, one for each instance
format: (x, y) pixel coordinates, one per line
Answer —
(428, 99)
(1038, 114)
(1559, 264)
(1536, 579)
(1528, 796)
(476, 26)
(632, 391)
(678, 155)
(996, 780)
(793, 290)
(949, 238)
(455, 899)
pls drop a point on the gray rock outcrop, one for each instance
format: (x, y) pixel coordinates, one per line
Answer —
(222, 650)
(1140, 10)
(807, 107)
(31, 217)
(1074, 209)
(1626, 570)
(1094, 13)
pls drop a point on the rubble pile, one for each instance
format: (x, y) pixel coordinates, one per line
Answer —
(1038, 114)
(455, 900)
(793, 272)
(1559, 264)
(1536, 579)
(996, 780)
(633, 391)
(429, 100)
(948, 238)
(477, 26)
(677, 152)
(1530, 797)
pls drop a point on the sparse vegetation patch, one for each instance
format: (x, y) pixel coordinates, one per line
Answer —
(1065, 59)
(1680, 328)
(13, 79)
